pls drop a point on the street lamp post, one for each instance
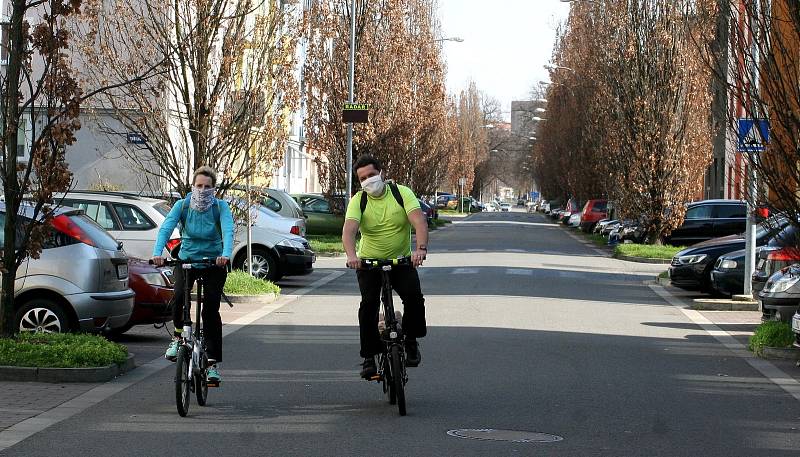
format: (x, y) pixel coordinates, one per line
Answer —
(351, 99)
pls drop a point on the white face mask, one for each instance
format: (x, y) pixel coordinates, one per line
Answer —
(374, 186)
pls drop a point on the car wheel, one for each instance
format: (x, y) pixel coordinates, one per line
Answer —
(41, 315)
(264, 264)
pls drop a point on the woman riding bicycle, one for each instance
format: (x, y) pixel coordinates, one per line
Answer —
(207, 233)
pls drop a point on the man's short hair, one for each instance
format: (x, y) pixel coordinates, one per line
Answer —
(205, 170)
(365, 160)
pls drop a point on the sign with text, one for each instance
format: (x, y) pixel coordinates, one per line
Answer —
(753, 135)
(136, 138)
(357, 113)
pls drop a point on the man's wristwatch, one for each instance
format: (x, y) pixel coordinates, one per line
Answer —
(423, 247)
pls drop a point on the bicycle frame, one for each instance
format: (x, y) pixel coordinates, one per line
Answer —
(192, 338)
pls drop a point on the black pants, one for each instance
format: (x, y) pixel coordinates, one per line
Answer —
(405, 281)
(213, 283)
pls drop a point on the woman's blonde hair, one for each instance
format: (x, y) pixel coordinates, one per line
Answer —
(205, 170)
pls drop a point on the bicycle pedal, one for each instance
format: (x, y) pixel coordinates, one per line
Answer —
(213, 384)
(377, 377)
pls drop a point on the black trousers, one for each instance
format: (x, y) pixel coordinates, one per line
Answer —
(213, 283)
(405, 281)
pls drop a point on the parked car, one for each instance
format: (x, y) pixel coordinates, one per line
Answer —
(443, 201)
(709, 219)
(153, 287)
(321, 219)
(779, 252)
(262, 216)
(130, 219)
(505, 206)
(275, 200)
(574, 220)
(544, 207)
(780, 297)
(727, 276)
(79, 282)
(691, 267)
(429, 211)
(593, 211)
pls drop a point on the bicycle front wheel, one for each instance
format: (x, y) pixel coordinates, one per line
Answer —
(201, 383)
(182, 382)
(397, 379)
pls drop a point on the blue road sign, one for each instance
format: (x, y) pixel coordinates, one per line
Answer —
(136, 138)
(534, 196)
(753, 135)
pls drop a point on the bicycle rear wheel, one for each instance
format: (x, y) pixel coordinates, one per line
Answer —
(397, 379)
(201, 382)
(182, 382)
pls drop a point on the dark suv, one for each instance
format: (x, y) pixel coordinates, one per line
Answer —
(709, 219)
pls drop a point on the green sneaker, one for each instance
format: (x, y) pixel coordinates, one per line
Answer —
(213, 375)
(172, 351)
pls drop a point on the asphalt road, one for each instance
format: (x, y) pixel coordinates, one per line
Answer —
(529, 330)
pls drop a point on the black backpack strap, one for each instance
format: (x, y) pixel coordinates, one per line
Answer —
(363, 201)
(397, 195)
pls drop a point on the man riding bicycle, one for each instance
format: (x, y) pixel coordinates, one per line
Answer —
(206, 233)
(384, 213)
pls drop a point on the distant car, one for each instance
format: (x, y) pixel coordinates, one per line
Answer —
(593, 212)
(574, 220)
(262, 216)
(79, 282)
(521, 202)
(321, 219)
(780, 298)
(275, 200)
(505, 206)
(709, 219)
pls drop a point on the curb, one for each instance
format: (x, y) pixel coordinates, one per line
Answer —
(770, 353)
(715, 304)
(663, 281)
(253, 299)
(643, 260)
(59, 375)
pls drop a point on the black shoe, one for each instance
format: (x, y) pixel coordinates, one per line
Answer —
(413, 356)
(368, 368)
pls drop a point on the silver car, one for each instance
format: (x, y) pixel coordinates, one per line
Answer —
(267, 218)
(80, 281)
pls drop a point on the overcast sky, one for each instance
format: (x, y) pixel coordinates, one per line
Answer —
(506, 42)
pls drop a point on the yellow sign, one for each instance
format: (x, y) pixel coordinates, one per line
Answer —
(355, 106)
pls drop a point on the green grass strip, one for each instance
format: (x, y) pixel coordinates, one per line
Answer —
(241, 283)
(647, 251)
(326, 244)
(60, 350)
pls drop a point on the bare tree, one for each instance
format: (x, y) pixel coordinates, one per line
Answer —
(226, 93)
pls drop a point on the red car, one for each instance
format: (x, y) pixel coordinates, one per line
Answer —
(154, 289)
(593, 212)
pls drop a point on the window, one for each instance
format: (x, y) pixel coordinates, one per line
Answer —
(317, 205)
(731, 211)
(699, 212)
(163, 208)
(131, 218)
(273, 204)
(24, 132)
(97, 211)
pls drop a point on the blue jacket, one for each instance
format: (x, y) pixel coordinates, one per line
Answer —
(200, 238)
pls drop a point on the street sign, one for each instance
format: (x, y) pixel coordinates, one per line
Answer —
(753, 135)
(136, 138)
(462, 181)
(534, 196)
(355, 112)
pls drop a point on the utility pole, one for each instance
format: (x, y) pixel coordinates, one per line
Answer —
(752, 188)
(351, 99)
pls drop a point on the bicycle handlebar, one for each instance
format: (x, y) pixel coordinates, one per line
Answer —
(177, 262)
(378, 263)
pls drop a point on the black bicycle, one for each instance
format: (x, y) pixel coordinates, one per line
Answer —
(191, 364)
(392, 361)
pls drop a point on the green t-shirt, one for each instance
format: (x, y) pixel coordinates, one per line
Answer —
(385, 228)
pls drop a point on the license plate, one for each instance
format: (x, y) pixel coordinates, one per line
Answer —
(796, 323)
(122, 271)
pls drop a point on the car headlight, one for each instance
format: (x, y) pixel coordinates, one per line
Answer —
(781, 285)
(291, 244)
(154, 279)
(728, 265)
(692, 259)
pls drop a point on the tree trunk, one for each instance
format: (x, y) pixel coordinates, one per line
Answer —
(11, 182)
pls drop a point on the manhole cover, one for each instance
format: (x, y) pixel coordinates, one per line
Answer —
(516, 436)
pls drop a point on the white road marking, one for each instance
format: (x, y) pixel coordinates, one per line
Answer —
(22, 430)
(770, 371)
(519, 271)
(465, 271)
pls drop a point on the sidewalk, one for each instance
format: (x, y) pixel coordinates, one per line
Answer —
(23, 400)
